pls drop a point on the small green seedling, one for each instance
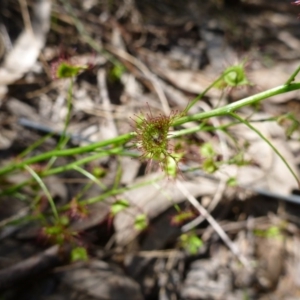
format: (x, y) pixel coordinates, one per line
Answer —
(140, 222)
(119, 206)
(191, 243)
(79, 254)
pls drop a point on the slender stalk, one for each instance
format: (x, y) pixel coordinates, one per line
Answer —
(13, 189)
(200, 96)
(46, 191)
(269, 143)
(293, 76)
(90, 176)
(182, 132)
(34, 145)
(63, 137)
(70, 166)
(102, 197)
(122, 139)
(118, 191)
(238, 104)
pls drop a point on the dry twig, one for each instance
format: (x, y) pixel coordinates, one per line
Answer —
(214, 224)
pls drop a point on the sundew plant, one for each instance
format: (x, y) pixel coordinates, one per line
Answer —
(152, 136)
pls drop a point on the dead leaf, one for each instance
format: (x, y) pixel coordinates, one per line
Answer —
(153, 199)
(27, 48)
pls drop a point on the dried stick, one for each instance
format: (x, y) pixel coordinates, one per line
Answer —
(25, 15)
(214, 224)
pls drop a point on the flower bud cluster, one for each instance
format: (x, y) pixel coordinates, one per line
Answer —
(152, 137)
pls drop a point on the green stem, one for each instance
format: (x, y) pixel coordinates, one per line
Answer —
(200, 96)
(293, 76)
(223, 127)
(118, 191)
(90, 176)
(227, 109)
(70, 166)
(63, 137)
(221, 77)
(122, 139)
(13, 189)
(93, 200)
(182, 132)
(44, 188)
(34, 145)
(268, 142)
